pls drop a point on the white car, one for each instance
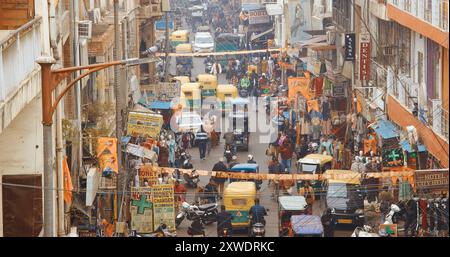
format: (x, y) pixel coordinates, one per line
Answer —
(188, 121)
(203, 42)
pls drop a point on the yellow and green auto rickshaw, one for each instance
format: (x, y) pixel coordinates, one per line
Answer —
(190, 97)
(314, 164)
(238, 198)
(181, 79)
(179, 37)
(225, 93)
(208, 84)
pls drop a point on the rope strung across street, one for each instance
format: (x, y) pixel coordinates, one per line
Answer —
(242, 52)
(280, 177)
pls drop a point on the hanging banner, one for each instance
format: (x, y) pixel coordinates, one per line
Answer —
(135, 150)
(107, 154)
(298, 85)
(141, 210)
(299, 20)
(364, 60)
(163, 206)
(350, 47)
(144, 124)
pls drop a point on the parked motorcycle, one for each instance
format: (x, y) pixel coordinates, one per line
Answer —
(207, 213)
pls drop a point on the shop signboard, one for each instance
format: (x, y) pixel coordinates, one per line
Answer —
(338, 89)
(163, 206)
(431, 180)
(350, 46)
(135, 150)
(141, 210)
(393, 157)
(149, 173)
(258, 16)
(364, 60)
(144, 124)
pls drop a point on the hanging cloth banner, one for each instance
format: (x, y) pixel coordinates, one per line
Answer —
(68, 187)
(107, 154)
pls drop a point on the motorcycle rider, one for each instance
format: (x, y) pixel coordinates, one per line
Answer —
(257, 213)
(230, 140)
(220, 166)
(250, 159)
(224, 221)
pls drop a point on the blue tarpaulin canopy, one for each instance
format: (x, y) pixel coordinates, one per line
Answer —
(306, 225)
(407, 147)
(385, 129)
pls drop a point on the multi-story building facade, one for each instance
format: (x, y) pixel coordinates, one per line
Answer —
(408, 67)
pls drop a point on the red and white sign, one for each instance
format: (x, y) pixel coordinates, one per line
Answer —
(364, 61)
(258, 16)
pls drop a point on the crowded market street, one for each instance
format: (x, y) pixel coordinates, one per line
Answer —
(224, 118)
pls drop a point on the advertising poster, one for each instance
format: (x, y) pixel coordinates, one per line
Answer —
(141, 210)
(393, 157)
(148, 173)
(144, 124)
(300, 20)
(163, 206)
(107, 154)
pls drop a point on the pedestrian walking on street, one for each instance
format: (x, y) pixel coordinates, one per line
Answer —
(385, 199)
(328, 222)
(275, 168)
(202, 140)
(286, 154)
(307, 191)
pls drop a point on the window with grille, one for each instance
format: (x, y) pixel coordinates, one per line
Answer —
(428, 10)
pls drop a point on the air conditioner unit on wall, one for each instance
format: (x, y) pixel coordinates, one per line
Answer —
(85, 29)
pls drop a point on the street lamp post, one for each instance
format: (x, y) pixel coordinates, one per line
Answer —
(50, 80)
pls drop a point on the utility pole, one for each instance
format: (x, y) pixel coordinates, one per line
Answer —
(166, 66)
(118, 95)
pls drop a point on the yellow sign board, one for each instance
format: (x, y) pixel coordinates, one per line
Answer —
(144, 124)
(141, 210)
(164, 206)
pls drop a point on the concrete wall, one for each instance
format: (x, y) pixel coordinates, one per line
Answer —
(21, 149)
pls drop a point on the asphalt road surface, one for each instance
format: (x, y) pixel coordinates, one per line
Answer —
(258, 146)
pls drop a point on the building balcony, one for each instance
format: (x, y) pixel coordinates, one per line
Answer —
(19, 73)
(377, 8)
(429, 18)
(341, 20)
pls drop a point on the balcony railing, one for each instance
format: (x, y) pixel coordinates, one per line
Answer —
(19, 73)
(341, 20)
(18, 54)
(435, 12)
